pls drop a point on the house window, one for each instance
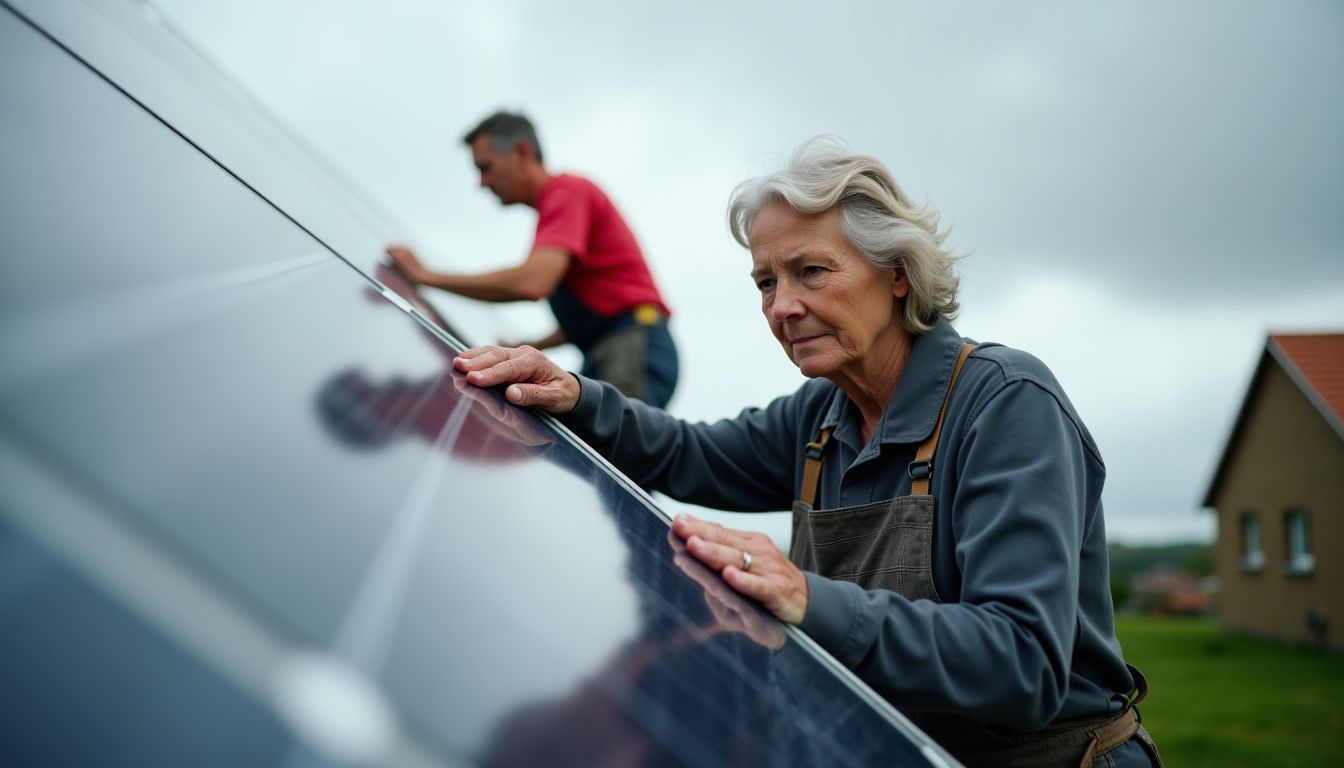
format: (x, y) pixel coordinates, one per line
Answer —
(1297, 533)
(1252, 555)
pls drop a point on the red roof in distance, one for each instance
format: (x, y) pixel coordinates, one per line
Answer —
(1319, 358)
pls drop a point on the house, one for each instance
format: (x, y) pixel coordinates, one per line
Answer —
(1278, 492)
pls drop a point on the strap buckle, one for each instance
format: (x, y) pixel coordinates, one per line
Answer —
(920, 469)
(813, 450)
(647, 314)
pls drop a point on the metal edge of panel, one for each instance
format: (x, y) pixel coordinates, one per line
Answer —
(179, 81)
(50, 19)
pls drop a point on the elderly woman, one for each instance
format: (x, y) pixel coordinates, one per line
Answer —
(948, 540)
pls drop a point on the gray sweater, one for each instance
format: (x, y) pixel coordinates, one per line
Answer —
(1024, 633)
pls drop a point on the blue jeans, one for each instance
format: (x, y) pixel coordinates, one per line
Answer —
(639, 359)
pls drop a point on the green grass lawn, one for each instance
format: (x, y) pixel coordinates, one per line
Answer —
(1220, 700)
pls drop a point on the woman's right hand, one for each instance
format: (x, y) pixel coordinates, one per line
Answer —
(532, 379)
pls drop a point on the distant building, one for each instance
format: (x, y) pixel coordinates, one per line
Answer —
(1167, 590)
(1279, 496)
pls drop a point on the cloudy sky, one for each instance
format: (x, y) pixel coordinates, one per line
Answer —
(1143, 190)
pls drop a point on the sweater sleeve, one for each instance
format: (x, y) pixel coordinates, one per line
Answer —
(1001, 652)
(742, 464)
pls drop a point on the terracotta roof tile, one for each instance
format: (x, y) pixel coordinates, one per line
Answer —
(1319, 358)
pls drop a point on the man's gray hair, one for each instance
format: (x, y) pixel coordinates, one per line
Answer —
(878, 218)
(505, 130)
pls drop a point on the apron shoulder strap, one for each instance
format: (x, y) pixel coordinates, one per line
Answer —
(921, 469)
(813, 455)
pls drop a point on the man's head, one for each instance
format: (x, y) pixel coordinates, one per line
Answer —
(505, 149)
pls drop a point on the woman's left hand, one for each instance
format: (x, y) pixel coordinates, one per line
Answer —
(732, 612)
(771, 580)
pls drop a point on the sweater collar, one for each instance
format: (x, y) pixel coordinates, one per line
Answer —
(910, 415)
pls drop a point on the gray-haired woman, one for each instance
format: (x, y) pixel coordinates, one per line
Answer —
(949, 544)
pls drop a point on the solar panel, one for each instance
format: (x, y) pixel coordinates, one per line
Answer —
(250, 516)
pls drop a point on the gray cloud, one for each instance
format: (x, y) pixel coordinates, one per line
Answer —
(1143, 188)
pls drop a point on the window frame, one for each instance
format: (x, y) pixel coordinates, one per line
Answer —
(1252, 543)
(1298, 558)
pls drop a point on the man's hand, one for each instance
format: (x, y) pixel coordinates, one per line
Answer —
(772, 580)
(408, 264)
(532, 379)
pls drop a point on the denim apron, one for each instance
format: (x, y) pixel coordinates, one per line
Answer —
(889, 545)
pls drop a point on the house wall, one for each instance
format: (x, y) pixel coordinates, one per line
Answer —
(1287, 456)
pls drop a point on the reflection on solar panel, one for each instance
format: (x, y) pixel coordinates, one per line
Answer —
(250, 516)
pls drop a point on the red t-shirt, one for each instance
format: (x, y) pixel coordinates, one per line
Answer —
(608, 274)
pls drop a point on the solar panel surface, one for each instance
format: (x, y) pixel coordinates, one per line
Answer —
(249, 515)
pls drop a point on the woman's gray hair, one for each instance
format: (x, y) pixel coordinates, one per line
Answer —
(878, 218)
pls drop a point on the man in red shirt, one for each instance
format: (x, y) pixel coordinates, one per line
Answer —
(584, 261)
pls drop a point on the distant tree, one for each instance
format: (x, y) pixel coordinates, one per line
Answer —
(1200, 561)
(1119, 591)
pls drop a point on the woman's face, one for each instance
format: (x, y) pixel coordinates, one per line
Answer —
(831, 310)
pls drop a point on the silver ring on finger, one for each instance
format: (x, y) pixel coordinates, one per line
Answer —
(746, 560)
